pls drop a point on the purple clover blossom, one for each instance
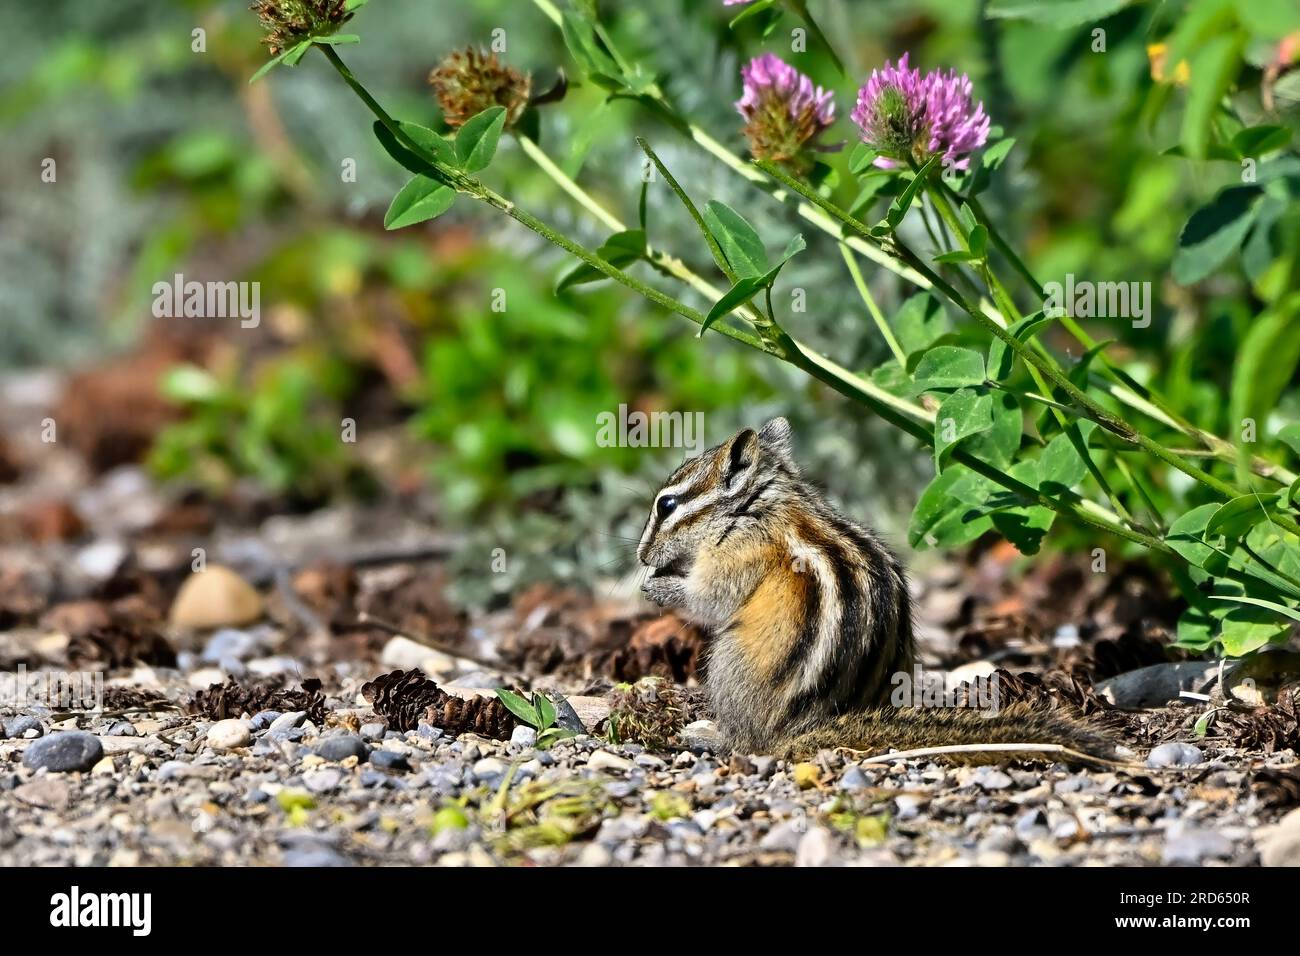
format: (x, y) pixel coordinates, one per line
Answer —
(904, 115)
(783, 111)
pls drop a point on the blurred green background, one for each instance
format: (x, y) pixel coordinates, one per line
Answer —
(169, 161)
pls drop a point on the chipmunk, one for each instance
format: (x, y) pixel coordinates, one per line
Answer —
(810, 612)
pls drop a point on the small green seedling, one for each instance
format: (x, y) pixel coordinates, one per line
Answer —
(539, 713)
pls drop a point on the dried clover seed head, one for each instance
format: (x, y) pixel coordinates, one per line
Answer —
(469, 81)
(287, 22)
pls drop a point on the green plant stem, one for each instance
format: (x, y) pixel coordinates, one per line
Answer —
(1091, 408)
(806, 211)
(1122, 386)
(897, 412)
(1002, 299)
(876, 315)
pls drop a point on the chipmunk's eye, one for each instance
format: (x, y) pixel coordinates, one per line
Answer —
(666, 505)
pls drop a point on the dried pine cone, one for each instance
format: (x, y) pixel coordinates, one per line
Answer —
(231, 699)
(405, 698)
(469, 81)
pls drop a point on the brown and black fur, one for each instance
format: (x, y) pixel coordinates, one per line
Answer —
(810, 612)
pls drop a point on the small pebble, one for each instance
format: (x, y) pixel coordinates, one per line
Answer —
(229, 734)
(65, 751)
(342, 747)
(1174, 754)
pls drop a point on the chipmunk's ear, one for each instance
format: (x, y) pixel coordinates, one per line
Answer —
(740, 458)
(774, 437)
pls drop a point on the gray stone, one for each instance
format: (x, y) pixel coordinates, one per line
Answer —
(489, 770)
(228, 645)
(1279, 844)
(1174, 754)
(342, 747)
(523, 736)
(263, 719)
(703, 736)
(1187, 845)
(323, 780)
(854, 779)
(1031, 823)
(389, 760)
(122, 728)
(24, 727)
(374, 731)
(64, 752)
(293, 718)
(566, 718)
(604, 760)
(315, 857)
(989, 778)
(816, 848)
(784, 836)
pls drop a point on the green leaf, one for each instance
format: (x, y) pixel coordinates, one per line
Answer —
(266, 68)
(420, 199)
(1057, 14)
(992, 157)
(1265, 363)
(920, 320)
(1214, 232)
(296, 52)
(190, 384)
(898, 208)
(1290, 434)
(545, 711)
(752, 10)
(957, 255)
(1246, 629)
(964, 413)
(1257, 140)
(580, 37)
(740, 243)
(1273, 606)
(338, 39)
(862, 159)
(408, 160)
(1214, 67)
(1186, 536)
(620, 249)
(998, 445)
(948, 366)
(1024, 526)
(740, 293)
(520, 707)
(949, 512)
(1060, 466)
(437, 146)
(1236, 517)
(476, 143)
(1001, 357)
(978, 240)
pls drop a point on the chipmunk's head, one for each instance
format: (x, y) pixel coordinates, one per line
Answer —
(714, 494)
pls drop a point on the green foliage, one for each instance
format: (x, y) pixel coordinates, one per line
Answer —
(538, 713)
(276, 430)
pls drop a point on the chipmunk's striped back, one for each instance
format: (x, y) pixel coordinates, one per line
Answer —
(810, 612)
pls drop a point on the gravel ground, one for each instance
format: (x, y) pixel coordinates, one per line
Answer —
(158, 787)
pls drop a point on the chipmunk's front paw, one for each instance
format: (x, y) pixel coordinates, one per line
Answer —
(665, 590)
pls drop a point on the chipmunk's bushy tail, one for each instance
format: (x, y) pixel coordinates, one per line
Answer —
(905, 728)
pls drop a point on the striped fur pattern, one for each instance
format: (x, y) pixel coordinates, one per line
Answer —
(810, 612)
